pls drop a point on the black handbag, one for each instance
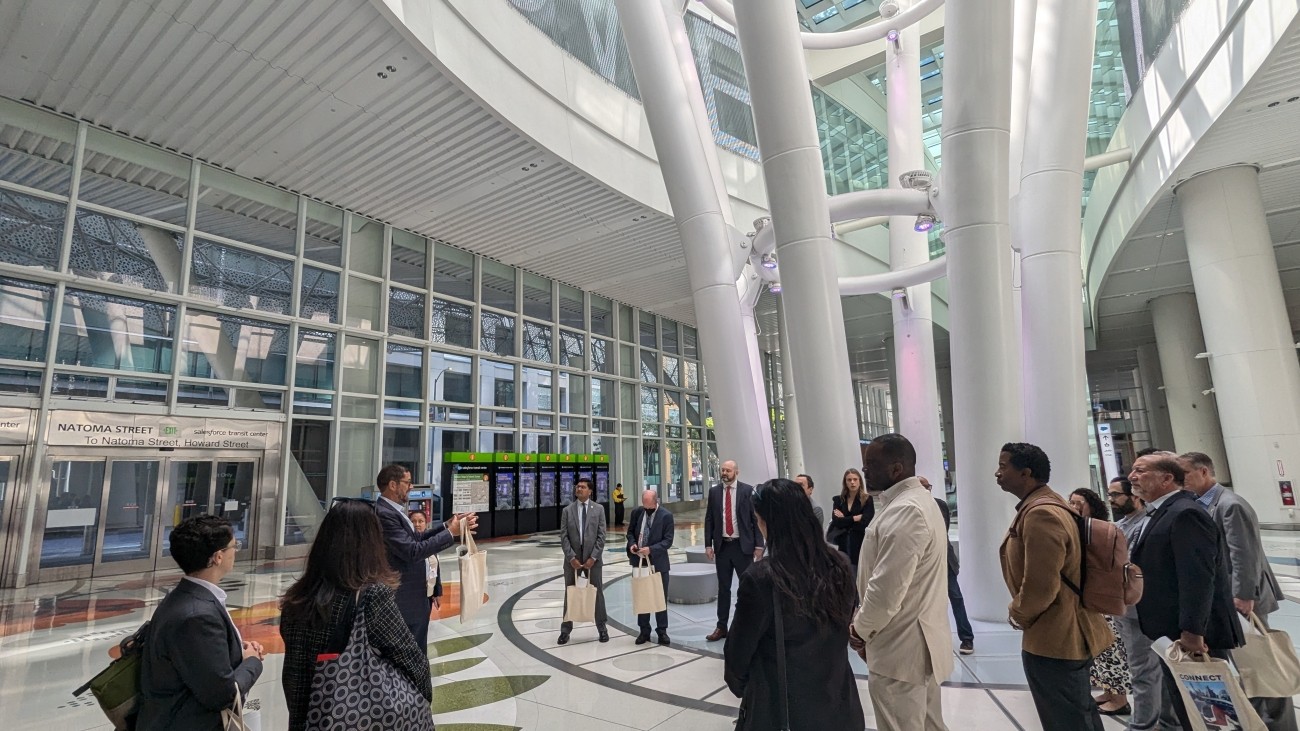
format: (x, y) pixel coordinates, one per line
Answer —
(363, 690)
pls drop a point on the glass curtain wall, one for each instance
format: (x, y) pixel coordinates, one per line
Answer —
(199, 292)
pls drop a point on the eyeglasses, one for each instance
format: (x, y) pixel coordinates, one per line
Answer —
(236, 546)
(1116, 494)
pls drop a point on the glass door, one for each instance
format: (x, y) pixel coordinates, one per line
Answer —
(129, 524)
(189, 494)
(234, 499)
(71, 520)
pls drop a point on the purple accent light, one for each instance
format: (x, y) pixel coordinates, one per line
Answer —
(774, 288)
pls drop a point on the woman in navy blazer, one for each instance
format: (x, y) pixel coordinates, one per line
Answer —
(194, 659)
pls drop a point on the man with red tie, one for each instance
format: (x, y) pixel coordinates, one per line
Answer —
(731, 537)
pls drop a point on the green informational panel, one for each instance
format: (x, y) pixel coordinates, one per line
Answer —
(468, 475)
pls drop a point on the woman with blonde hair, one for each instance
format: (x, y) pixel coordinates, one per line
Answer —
(851, 513)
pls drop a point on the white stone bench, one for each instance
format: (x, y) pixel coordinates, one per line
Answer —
(692, 583)
(695, 554)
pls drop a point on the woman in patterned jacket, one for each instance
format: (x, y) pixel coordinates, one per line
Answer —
(347, 573)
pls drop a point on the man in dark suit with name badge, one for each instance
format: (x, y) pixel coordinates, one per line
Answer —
(731, 538)
(409, 551)
(1187, 597)
(649, 536)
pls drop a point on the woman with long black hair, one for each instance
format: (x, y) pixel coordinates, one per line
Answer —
(347, 576)
(803, 592)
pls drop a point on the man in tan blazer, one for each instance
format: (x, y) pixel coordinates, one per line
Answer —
(1061, 637)
(901, 629)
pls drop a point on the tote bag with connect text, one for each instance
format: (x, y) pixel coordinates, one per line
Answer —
(473, 577)
(362, 690)
(647, 589)
(1211, 695)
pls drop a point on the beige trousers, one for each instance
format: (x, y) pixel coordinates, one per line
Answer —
(904, 706)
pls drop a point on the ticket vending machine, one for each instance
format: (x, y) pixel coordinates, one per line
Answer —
(548, 492)
(587, 469)
(467, 487)
(602, 483)
(527, 515)
(568, 477)
(505, 504)
(424, 497)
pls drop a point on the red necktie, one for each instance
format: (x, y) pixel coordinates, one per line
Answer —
(726, 512)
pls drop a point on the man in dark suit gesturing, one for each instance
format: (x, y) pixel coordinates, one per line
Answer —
(731, 539)
(649, 536)
(408, 551)
(1188, 592)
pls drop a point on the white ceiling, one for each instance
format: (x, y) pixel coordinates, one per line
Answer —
(289, 92)
(1262, 127)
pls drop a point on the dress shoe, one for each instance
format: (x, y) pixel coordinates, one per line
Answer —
(718, 634)
(564, 638)
(967, 647)
(644, 637)
(663, 638)
(604, 634)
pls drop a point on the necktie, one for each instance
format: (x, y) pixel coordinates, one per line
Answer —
(582, 524)
(645, 528)
(728, 527)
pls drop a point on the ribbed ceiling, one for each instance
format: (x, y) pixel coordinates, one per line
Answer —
(300, 93)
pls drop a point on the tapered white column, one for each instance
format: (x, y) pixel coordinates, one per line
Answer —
(1247, 333)
(973, 204)
(1048, 231)
(1193, 414)
(1153, 397)
(918, 394)
(796, 189)
(706, 239)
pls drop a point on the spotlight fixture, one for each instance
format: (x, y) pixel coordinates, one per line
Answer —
(774, 288)
(888, 9)
(924, 223)
(769, 261)
(892, 37)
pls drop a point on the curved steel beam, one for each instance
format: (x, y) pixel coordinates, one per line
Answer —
(844, 38)
(862, 204)
(889, 281)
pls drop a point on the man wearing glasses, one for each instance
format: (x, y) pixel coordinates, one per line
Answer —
(409, 550)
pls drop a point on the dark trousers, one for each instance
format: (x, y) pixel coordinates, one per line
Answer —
(570, 578)
(661, 618)
(729, 559)
(1061, 693)
(964, 631)
(420, 631)
(618, 513)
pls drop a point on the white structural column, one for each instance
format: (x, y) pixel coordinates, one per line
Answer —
(796, 189)
(917, 396)
(793, 439)
(973, 204)
(1153, 397)
(1047, 229)
(1247, 332)
(1193, 415)
(705, 237)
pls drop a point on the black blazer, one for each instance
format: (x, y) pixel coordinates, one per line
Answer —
(1187, 585)
(822, 690)
(659, 540)
(742, 514)
(848, 532)
(193, 660)
(408, 553)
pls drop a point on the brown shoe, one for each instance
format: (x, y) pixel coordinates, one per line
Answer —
(718, 634)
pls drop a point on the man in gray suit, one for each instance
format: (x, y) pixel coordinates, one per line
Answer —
(1254, 587)
(582, 535)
